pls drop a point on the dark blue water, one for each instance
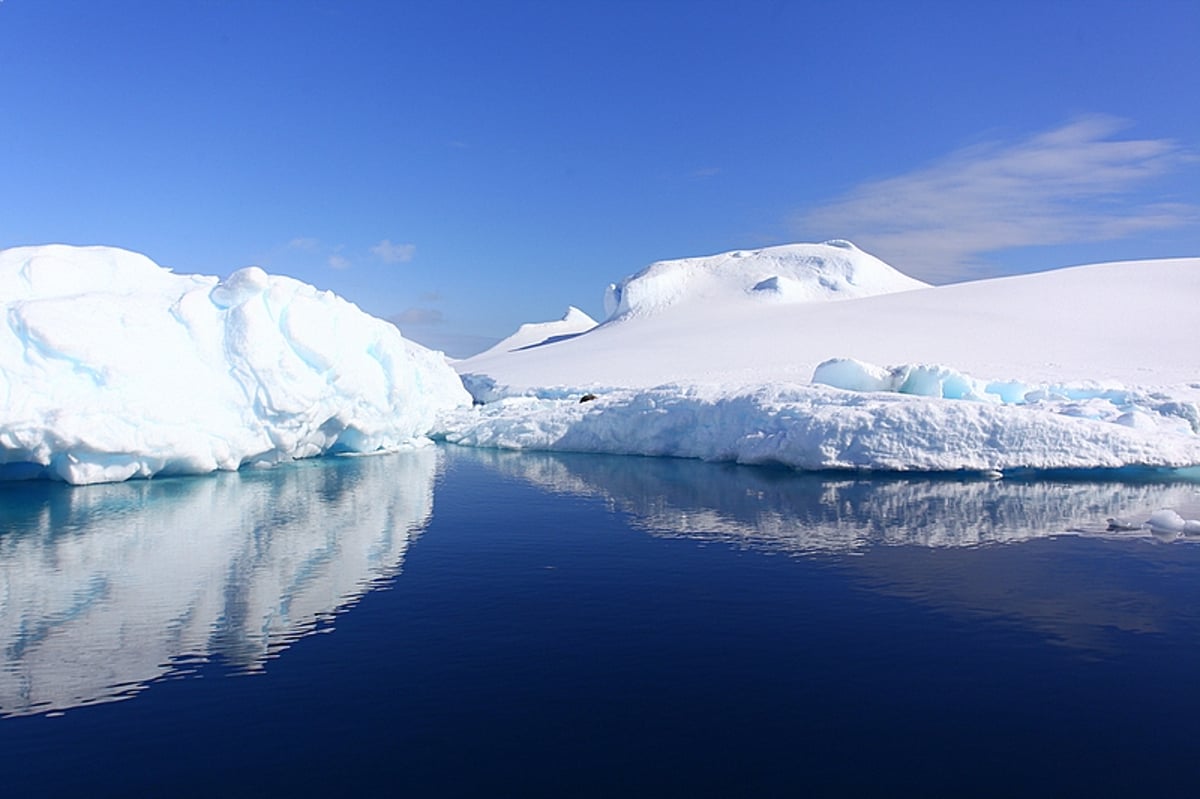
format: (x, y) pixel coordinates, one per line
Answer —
(461, 623)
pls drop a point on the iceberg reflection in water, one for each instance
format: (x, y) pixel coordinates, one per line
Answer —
(105, 588)
(996, 558)
(827, 512)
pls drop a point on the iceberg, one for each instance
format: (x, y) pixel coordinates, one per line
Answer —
(772, 356)
(114, 367)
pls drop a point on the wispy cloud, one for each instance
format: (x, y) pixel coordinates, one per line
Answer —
(304, 243)
(339, 262)
(418, 316)
(394, 253)
(1073, 184)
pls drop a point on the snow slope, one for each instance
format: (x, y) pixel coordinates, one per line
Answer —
(1091, 366)
(113, 367)
(534, 334)
(1131, 323)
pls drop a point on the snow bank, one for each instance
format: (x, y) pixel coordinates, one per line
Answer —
(817, 428)
(112, 367)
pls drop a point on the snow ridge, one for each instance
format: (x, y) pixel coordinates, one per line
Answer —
(535, 334)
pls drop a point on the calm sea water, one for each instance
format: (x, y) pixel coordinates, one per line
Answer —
(464, 623)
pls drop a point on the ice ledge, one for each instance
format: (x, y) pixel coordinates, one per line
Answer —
(822, 428)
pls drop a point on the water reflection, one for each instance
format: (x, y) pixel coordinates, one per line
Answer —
(925, 540)
(785, 510)
(104, 588)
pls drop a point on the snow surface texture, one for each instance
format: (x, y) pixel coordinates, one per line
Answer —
(1089, 367)
(113, 367)
(820, 428)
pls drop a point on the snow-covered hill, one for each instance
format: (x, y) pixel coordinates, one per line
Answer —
(1093, 366)
(1132, 323)
(791, 273)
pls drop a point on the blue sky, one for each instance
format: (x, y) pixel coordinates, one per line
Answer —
(466, 167)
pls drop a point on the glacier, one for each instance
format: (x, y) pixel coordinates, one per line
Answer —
(114, 367)
(773, 356)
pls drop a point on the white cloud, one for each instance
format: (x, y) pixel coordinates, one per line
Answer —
(303, 243)
(1069, 185)
(394, 253)
(339, 262)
